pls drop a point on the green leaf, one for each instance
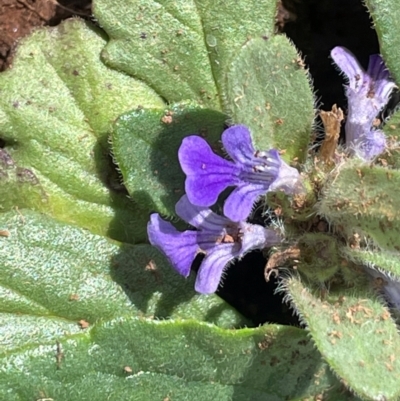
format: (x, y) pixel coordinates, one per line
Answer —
(364, 199)
(386, 15)
(145, 144)
(57, 106)
(184, 360)
(355, 334)
(181, 48)
(268, 90)
(388, 262)
(57, 273)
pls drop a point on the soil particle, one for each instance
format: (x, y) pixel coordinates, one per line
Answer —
(19, 17)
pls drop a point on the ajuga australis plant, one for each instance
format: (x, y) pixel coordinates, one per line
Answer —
(141, 159)
(338, 237)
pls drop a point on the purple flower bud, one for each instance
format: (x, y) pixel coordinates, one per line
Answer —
(253, 173)
(367, 94)
(218, 238)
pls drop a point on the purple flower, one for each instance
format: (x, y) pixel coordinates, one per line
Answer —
(367, 94)
(220, 239)
(253, 173)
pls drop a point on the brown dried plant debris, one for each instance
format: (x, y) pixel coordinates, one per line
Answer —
(331, 120)
(284, 14)
(280, 259)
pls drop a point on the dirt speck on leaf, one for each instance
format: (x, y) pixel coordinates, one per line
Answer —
(128, 369)
(4, 233)
(84, 324)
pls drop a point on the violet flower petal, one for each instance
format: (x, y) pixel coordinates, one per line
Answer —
(212, 268)
(207, 174)
(377, 70)
(179, 247)
(256, 236)
(287, 179)
(238, 144)
(371, 145)
(240, 202)
(198, 216)
(348, 64)
(367, 94)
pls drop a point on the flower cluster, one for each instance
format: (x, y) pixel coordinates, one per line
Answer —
(217, 237)
(221, 238)
(367, 94)
(251, 174)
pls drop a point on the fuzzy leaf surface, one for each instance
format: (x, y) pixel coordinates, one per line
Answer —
(268, 90)
(387, 262)
(55, 273)
(181, 48)
(386, 14)
(184, 360)
(355, 334)
(363, 199)
(57, 106)
(145, 145)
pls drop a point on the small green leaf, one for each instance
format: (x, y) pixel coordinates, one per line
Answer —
(60, 273)
(386, 16)
(57, 106)
(145, 145)
(355, 334)
(388, 262)
(268, 90)
(363, 199)
(181, 48)
(184, 360)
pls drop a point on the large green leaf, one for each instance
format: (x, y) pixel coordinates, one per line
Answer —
(386, 16)
(145, 143)
(184, 360)
(57, 105)
(181, 48)
(268, 90)
(61, 274)
(355, 334)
